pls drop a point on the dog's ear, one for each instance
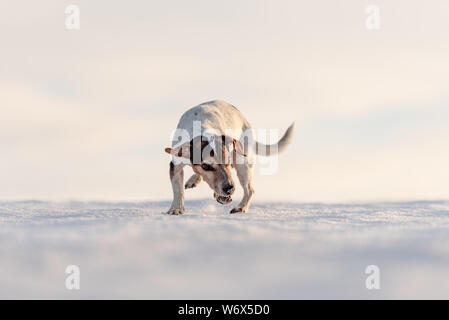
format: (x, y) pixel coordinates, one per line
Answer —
(238, 147)
(181, 151)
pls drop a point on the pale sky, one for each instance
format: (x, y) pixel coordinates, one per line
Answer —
(86, 114)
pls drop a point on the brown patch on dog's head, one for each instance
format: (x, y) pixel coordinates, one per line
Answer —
(207, 163)
(200, 149)
(213, 166)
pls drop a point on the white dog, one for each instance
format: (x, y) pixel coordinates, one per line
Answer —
(212, 138)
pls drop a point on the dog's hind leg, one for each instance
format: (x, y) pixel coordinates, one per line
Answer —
(193, 181)
(245, 175)
(177, 179)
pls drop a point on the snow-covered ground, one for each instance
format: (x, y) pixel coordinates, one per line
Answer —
(277, 250)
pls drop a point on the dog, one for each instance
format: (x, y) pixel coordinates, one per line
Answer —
(209, 139)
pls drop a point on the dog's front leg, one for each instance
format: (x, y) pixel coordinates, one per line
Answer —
(245, 175)
(177, 180)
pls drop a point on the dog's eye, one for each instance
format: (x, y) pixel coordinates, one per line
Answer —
(207, 167)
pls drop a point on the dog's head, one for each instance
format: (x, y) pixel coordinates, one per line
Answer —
(212, 159)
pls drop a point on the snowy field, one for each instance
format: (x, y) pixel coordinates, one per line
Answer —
(277, 250)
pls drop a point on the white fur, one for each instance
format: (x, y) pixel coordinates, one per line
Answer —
(213, 119)
(216, 117)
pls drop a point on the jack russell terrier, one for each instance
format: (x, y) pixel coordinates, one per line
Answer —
(212, 138)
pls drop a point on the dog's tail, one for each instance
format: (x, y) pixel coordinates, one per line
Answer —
(267, 150)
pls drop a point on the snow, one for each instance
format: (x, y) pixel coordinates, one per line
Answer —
(276, 251)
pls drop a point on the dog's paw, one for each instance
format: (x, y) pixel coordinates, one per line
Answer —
(175, 211)
(237, 209)
(191, 184)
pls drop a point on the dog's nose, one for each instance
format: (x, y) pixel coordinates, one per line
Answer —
(228, 189)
